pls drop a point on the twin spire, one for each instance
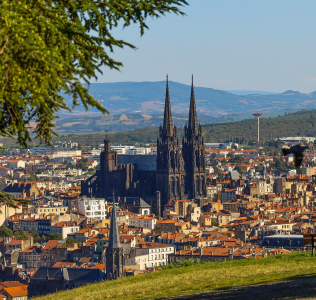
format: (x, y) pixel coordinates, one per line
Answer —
(193, 124)
(167, 120)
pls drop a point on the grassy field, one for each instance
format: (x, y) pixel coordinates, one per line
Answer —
(196, 278)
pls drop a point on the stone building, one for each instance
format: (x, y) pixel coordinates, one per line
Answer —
(174, 173)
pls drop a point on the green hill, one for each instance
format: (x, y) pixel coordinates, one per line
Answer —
(207, 278)
(301, 123)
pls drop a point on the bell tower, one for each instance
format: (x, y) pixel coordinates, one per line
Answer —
(194, 154)
(170, 165)
(114, 251)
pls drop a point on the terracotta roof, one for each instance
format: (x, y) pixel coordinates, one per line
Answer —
(17, 291)
(62, 264)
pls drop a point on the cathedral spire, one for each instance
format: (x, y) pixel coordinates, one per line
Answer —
(114, 239)
(193, 125)
(167, 119)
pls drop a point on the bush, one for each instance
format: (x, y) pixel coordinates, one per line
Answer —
(5, 231)
(182, 263)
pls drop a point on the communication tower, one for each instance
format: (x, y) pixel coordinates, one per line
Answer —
(257, 115)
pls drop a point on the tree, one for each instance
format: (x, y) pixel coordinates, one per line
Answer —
(5, 231)
(47, 48)
(71, 241)
(214, 223)
(39, 239)
(237, 168)
(54, 236)
(258, 168)
(21, 235)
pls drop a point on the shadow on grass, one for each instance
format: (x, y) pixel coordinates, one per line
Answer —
(292, 287)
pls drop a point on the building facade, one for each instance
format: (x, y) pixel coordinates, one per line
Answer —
(92, 208)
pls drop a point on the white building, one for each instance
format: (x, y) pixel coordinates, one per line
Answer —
(64, 228)
(139, 151)
(143, 222)
(154, 255)
(66, 153)
(95, 152)
(93, 208)
(121, 149)
(16, 164)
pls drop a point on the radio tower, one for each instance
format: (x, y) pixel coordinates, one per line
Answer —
(257, 115)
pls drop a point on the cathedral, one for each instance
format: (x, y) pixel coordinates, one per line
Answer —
(177, 172)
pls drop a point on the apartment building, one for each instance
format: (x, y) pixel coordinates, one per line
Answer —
(150, 255)
(93, 208)
(64, 228)
(143, 222)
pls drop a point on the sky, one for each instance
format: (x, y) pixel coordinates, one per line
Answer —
(261, 45)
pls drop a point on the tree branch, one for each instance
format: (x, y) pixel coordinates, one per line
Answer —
(4, 44)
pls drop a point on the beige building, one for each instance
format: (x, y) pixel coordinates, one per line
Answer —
(7, 211)
(50, 210)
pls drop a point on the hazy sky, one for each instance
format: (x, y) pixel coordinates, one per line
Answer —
(227, 44)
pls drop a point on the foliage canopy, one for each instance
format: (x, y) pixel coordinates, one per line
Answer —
(49, 47)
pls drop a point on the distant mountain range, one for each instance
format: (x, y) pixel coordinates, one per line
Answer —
(246, 92)
(148, 98)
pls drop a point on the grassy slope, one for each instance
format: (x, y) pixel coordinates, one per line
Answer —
(195, 279)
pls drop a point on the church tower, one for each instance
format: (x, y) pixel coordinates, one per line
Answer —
(108, 163)
(114, 251)
(170, 165)
(193, 154)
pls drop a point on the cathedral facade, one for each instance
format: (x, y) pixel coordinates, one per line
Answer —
(177, 172)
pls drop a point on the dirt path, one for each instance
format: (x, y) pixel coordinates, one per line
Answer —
(302, 288)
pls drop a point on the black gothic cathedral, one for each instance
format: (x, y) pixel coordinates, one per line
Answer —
(175, 173)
